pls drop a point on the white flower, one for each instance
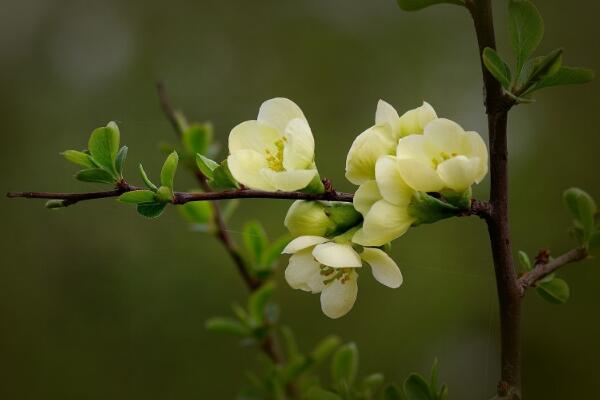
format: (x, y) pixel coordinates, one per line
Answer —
(382, 139)
(320, 265)
(274, 152)
(444, 157)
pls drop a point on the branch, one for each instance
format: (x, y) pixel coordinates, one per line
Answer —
(543, 269)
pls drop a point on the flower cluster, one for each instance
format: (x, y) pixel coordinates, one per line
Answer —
(410, 169)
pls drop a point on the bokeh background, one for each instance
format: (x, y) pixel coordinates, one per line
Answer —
(98, 303)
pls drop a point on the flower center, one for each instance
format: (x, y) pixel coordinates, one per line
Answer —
(275, 161)
(331, 274)
(443, 156)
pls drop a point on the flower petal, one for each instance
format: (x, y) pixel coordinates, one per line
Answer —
(419, 175)
(383, 223)
(245, 166)
(288, 181)
(384, 269)
(278, 112)
(252, 135)
(337, 255)
(414, 121)
(337, 298)
(445, 134)
(416, 147)
(299, 148)
(303, 242)
(459, 172)
(364, 152)
(386, 114)
(366, 195)
(474, 146)
(391, 185)
(304, 273)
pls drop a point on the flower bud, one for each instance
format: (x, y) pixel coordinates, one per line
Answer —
(319, 218)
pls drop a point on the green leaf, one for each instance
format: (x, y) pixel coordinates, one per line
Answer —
(104, 145)
(197, 138)
(566, 76)
(315, 185)
(344, 365)
(271, 254)
(325, 348)
(497, 67)
(416, 388)
(120, 160)
(290, 344)
(392, 392)
(229, 209)
(227, 325)
(540, 68)
(525, 27)
(167, 173)
(555, 291)
(197, 212)
(524, 261)
(222, 178)
(206, 165)
(78, 157)
(255, 240)
(258, 301)
(317, 393)
(164, 194)
(151, 210)
(427, 209)
(434, 379)
(372, 383)
(147, 180)
(413, 5)
(55, 204)
(583, 207)
(137, 197)
(95, 175)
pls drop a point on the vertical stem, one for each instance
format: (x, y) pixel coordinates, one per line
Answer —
(498, 227)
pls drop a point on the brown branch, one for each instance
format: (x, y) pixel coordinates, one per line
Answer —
(509, 293)
(543, 269)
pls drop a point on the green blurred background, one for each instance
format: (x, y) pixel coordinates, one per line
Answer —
(98, 303)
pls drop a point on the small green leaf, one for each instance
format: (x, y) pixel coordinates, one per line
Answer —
(258, 301)
(583, 207)
(434, 379)
(325, 348)
(151, 210)
(147, 180)
(206, 165)
(229, 209)
(315, 185)
(290, 343)
(372, 383)
(416, 388)
(540, 68)
(317, 393)
(497, 67)
(413, 5)
(95, 175)
(55, 204)
(524, 261)
(137, 197)
(222, 178)
(197, 138)
(255, 240)
(525, 27)
(104, 145)
(344, 365)
(566, 76)
(272, 253)
(120, 160)
(392, 392)
(78, 157)
(555, 291)
(227, 325)
(164, 194)
(197, 212)
(427, 209)
(167, 173)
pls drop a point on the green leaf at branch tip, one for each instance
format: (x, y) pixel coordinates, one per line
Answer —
(146, 180)
(137, 197)
(526, 29)
(524, 262)
(103, 146)
(317, 393)
(55, 204)
(79, 158)
(497, 67)
(583, 207)
(206, 166)
(96, 175)
(565, 76)
(555, 291)
(258, 301)
(197, 138)
(164, 194)
(414, 5)
(167, 173)
(222, 178)
(120, 160)
(151, 210)
(416, 388)
(538, 69)
(255, 240)
(344, 365)
(227, 325)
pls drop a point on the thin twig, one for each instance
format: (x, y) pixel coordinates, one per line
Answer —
(541, 270)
